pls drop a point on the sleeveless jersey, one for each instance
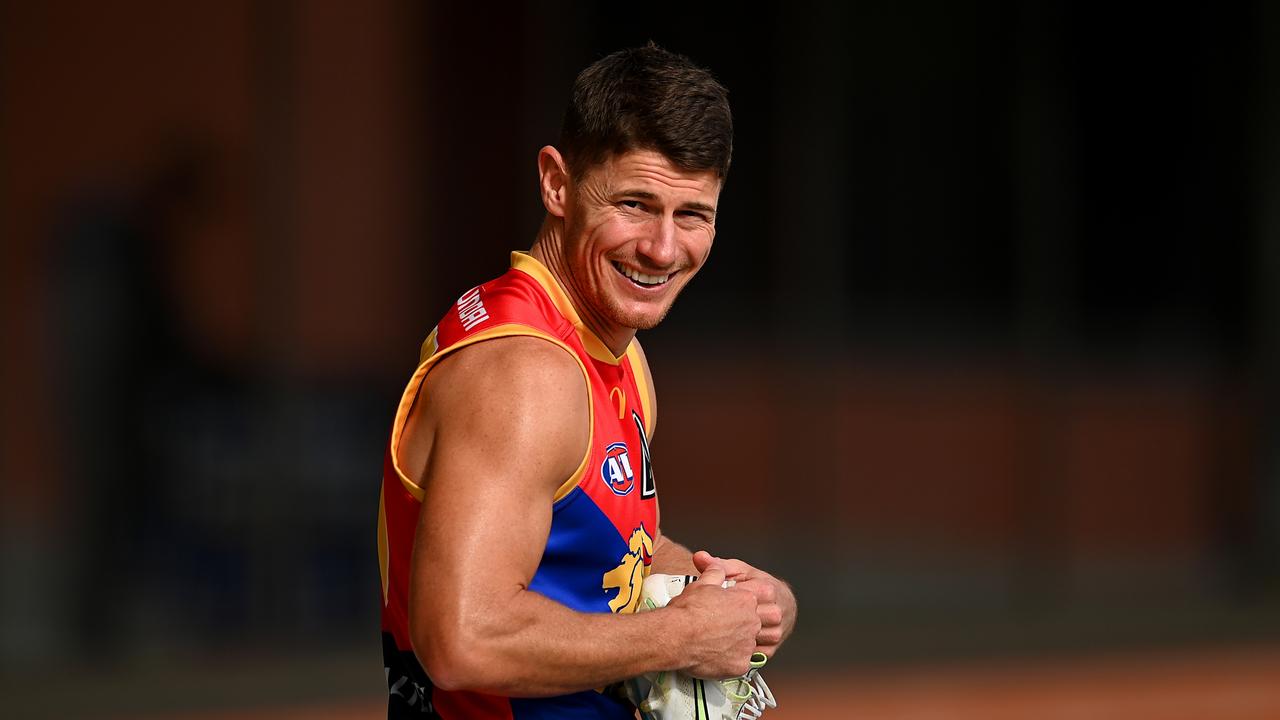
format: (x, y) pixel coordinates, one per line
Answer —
(604, 516)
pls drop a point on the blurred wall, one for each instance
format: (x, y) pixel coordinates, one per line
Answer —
(209, 265)
(984, 360)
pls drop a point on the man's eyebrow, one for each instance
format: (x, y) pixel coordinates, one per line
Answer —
(699, 206)
(646, 195)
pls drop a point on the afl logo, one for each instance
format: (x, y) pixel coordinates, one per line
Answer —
(616, 469)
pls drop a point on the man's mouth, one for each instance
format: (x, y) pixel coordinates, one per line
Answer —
(640, 278)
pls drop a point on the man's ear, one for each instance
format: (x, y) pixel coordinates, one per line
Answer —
(553, 180)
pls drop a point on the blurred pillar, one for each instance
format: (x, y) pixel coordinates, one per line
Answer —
(466, 240)
(812, 201)
(337, 267)
(356, 169)
(275, 279)
(1268, 292)
(33, 550)
(813, 193)
(555, 39)
(1045, 191)
(100, 103)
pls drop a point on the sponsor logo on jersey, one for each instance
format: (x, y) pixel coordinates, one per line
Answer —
(471, 310)
(630, 573)
(616, 469)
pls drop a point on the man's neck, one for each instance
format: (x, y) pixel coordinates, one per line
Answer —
(548, 249)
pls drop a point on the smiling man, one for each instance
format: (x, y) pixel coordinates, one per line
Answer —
(519, 513)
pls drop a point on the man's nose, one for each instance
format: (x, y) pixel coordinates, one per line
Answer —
(660, 245)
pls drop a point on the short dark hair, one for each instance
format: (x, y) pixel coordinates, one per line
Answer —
(648, 98)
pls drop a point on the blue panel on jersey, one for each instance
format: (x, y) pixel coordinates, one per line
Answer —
(583, 545)
(589, 705)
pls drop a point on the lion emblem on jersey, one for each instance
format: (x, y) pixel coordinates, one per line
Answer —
(630, 573)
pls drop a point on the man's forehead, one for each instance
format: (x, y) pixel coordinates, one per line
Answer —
(653, 172)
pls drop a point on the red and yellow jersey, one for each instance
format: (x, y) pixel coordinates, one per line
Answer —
(604, 516)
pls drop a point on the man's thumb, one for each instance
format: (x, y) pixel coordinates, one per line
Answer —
(713, 573)
(703, 560)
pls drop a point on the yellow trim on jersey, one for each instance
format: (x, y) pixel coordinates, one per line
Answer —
(529, 265)
(384, 546)
(429, 346)
(415, 385)
(642, 384)
(621, 402)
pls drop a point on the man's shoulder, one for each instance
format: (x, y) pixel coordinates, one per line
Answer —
(512, 375)
(512, 394)
(527, 359)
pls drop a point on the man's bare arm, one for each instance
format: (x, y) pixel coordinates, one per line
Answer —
(501, 425)
(671, 557)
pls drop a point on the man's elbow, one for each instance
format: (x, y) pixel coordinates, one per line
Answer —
(452, 660)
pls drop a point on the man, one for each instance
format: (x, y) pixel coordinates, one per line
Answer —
(518, 515)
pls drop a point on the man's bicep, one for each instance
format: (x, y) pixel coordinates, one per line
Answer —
(510, 425)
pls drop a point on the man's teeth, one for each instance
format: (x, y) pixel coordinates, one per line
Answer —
(641, 277)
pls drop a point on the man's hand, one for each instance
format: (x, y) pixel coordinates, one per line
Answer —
(724, 623)
(775, 603)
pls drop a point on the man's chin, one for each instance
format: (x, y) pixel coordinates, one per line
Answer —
(641, 320)
(649, 324)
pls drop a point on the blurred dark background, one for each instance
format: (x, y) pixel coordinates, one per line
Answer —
(985, 360)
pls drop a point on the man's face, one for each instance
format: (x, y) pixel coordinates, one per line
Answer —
(637, 229)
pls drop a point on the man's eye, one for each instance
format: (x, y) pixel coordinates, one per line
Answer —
(633, 204)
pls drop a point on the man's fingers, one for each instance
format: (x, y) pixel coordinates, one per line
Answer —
(712, 573)
(770, 614)
(768, 638)
(764, 591)
(733, 568)
(703, 559)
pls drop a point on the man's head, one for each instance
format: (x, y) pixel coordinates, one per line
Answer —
(647, 98)
(646, 145)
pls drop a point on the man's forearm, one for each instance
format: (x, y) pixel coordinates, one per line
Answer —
(672, 558)
(535, 647)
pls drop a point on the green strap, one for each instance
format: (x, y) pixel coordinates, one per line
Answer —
(700, 700)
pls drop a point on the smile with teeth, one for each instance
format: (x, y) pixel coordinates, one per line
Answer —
(640, 278)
